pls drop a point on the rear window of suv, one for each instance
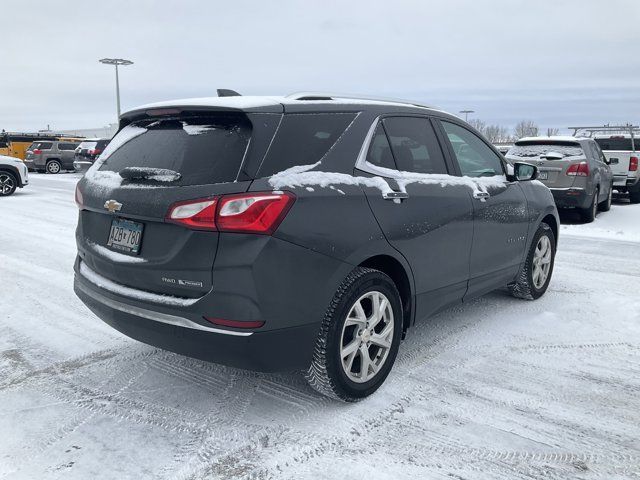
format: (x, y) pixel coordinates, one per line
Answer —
(87, 145)
(618, 143)
(41, 146)
(304, 139)
(535, 148)
(203, 150)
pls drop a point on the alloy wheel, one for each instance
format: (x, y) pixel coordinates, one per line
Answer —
(6, 184)
(53, 167)
(541, 262)
(367, 335)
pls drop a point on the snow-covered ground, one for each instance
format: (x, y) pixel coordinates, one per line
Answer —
(497, 388)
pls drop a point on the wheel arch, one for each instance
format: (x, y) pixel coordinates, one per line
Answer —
(13, 171)
(553, 224)
(398, 273)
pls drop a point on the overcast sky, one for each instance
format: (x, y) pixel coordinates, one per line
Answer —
(557, 62)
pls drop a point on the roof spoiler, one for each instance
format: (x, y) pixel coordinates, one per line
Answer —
(225, 92)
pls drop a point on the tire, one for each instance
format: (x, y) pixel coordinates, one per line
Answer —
(8, 184)
(589, 214)
(634, 197)
(526, 286)
(54, 167)
(606, 205)
(327, 373)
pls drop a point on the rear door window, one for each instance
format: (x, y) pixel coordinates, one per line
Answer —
(67, 146)
(203, 150)
(304, 139)
(474, 156)
(414, 145)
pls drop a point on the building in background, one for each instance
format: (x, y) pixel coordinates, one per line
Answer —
(107, 131)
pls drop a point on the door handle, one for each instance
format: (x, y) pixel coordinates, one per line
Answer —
(482, 196)
(399, 196)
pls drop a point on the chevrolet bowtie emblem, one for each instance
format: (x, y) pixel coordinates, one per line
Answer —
(112, 206)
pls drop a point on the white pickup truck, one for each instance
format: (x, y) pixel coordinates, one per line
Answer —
(623, 153)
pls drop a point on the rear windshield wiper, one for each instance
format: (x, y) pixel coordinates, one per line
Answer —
(146, 173)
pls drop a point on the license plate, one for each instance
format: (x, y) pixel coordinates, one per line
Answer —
(543, 175)
(125, 236)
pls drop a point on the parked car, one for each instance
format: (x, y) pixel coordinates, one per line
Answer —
(87, 152)
(623, 153)
(302, 232)
(13, 175)
(51, 156)
(575, 170)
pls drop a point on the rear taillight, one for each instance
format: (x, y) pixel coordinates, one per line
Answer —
(196, 214)
(37, 151)
(244, 213)
(578, 169)
(253, 212)
(633, 164)
(79, 199)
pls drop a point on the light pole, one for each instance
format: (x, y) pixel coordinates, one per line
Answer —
(116, 62)
(466, 113)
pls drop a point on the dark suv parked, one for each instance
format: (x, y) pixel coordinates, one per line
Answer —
(87, 152)
(302, 232)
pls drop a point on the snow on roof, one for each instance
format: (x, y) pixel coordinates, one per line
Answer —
(557, 138)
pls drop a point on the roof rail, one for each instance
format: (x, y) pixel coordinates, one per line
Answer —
(627, 128)
(332, 96)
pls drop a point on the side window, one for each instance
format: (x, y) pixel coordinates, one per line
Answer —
(597, 153)
(380, 151)
(414, 145)
(474, 156)
(45, 145)
(304, 139)
(66, 146)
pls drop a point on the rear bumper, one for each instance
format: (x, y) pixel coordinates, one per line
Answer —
(270, 351)
(81, 166)
(571, 197)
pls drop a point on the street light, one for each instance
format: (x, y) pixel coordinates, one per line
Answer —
(466, 113)
(116, 62)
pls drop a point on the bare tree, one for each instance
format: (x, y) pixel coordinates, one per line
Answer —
(478, 125)
(526, 128)
(551, 132)
(497, 134)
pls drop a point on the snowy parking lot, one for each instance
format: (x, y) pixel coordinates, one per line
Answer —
(496, 388)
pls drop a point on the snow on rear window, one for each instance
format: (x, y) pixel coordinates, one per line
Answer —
(537, 149)
(200, 150)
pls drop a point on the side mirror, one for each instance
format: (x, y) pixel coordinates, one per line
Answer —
(524, 171)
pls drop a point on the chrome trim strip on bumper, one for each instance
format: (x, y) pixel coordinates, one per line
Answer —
(155, 316)
(566, 189)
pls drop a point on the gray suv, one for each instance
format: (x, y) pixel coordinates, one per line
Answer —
(51, 156)
(303, 232)
(574, 168)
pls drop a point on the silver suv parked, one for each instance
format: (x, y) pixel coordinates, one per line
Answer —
(51, 156)
(575, 170)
